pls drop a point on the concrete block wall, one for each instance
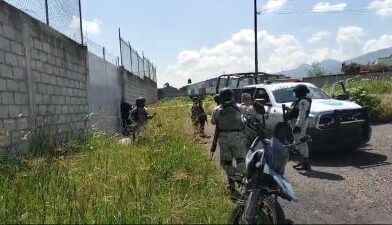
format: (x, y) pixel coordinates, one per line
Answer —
(105, 94)
(43, 77)
(134, 87)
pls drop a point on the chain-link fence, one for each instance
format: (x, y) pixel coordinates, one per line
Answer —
(102, 52)
(62, 15)
(135, 63)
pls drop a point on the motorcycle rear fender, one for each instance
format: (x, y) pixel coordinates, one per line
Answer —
(282, 183)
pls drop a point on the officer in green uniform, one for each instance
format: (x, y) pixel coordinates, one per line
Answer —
(199, 117)
(227, 117)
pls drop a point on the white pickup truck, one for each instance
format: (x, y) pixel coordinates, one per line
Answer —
(333, 124)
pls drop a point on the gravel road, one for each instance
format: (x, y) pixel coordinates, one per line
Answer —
(347, 187)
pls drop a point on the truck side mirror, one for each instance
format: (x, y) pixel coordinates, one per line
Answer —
(343, 97)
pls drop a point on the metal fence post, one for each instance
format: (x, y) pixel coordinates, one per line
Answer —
(47, 12)
(144, 68)
(104, 53)
(81, 22)
(130, 55)
(138, 64)
(119, 39)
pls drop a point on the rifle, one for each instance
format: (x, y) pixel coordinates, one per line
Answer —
(215, 141)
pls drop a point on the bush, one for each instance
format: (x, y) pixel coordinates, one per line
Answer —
(373, 94)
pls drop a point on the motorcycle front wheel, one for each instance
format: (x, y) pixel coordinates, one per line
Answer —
(269, 211)
(237, 214)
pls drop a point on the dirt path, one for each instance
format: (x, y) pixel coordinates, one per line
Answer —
(347, 187)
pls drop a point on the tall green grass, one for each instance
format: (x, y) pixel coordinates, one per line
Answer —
(374, 94)
(165, 177)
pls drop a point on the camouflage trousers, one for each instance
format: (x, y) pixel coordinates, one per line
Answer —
(232, 147)
(198, 126)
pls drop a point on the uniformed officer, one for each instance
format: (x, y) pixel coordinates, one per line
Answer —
(199, 117)
(299, 114)
(227, 117)
(139, 114)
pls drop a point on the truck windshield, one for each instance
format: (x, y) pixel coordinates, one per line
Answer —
(284, 95)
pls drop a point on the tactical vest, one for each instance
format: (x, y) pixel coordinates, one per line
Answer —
(229, 118)
(295, 109)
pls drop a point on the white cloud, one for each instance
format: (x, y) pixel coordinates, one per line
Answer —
(349, 40)
(385, 41)
(276, 52)
(319, 36)
(327, 7)
(274, 5)
(349, 34)
(383, 7)
(89, 26)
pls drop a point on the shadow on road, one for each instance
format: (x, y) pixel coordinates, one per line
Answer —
(360, 159)
(322, 175)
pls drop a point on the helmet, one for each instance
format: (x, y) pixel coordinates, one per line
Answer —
(301, 90)
(226, 95)
(140, 102)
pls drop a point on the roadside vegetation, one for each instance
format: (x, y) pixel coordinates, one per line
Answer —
(166, 177)
(374, 94)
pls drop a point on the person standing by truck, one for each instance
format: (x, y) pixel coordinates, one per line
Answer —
(298, 115)
(227, 118)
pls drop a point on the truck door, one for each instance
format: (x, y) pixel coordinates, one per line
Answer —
(270, 122)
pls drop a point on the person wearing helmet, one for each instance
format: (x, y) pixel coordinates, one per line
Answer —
(139, 114)
(199, 117)
(227, 118)
(298, 115)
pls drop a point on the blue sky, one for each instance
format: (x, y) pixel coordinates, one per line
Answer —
(200, 39)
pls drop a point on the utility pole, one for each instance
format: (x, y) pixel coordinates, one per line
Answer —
(256, 48)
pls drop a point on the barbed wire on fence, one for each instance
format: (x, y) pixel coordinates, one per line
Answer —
(65, 16)
(101, 51)
(62, 15)
(136, 63)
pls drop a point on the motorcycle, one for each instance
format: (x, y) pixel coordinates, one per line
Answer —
(264, 181)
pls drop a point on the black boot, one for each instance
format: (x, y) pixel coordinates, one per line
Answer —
(298, 165)
(305, 166)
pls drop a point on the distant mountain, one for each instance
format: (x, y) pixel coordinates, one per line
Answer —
(372, 56)
(332, 66)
